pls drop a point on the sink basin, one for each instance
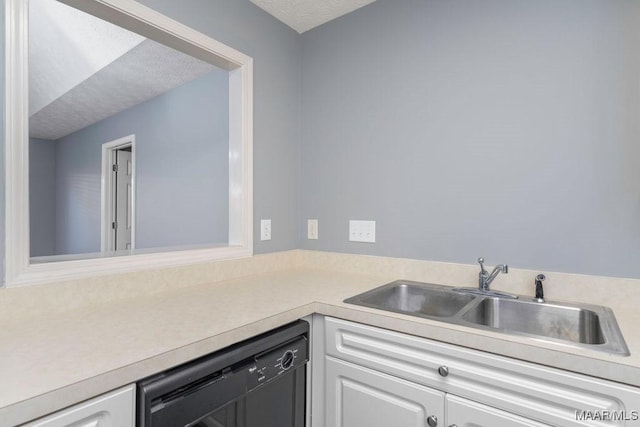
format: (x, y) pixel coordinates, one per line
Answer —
(582, 326)
(562, 322)
(418, 299)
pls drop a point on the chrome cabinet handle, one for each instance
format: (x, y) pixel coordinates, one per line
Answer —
(453, 425)
(432, 420)
(443, 371)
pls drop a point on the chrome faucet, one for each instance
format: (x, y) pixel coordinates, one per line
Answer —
(485, 279)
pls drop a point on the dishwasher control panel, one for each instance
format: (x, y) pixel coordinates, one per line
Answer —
(272, 363)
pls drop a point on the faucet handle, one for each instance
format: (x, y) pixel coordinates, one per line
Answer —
(481, 262)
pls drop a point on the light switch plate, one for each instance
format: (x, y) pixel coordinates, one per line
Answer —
(362, 231)
(265, 229)
(312, 229)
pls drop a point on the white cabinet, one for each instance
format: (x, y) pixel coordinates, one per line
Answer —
(466, 413)
(495, 390)
(358, 397)
(114, 409)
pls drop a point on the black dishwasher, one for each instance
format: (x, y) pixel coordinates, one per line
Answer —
(260, 382)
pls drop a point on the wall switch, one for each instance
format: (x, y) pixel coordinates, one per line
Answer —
(312, 229)
(265, 229)
(362, 231)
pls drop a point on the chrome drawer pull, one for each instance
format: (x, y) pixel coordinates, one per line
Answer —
(443, 371)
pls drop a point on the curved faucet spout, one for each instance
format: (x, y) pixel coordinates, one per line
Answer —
(485, 278)
(502, 268)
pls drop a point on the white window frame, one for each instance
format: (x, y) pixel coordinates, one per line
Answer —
(19, 270)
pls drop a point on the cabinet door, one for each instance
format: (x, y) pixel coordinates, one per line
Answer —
(466, 413)
(358, 397)
(115, 409)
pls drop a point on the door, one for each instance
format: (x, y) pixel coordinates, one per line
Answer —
(466, 413)
(117, 220)
(358, 396)
(123, 199)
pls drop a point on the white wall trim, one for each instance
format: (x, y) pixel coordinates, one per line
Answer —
(129, 14)
(16, 133)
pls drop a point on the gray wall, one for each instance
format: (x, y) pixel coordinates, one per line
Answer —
(496, 128)
(182, 170)
(275, 49)
(42, 196)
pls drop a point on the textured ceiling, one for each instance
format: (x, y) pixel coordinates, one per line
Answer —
(146, 71)
(303, 15)
(82, 72)
(66, 47)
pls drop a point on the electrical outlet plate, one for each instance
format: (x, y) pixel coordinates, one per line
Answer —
(265, 229)
(362, 231)
(312, 229)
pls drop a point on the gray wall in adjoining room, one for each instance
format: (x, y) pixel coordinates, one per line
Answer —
(182, 170)
(42, 196)
(466, 128)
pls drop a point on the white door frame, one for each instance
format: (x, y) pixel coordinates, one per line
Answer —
(106, 201)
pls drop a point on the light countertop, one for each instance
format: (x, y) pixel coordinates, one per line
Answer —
(51, 359)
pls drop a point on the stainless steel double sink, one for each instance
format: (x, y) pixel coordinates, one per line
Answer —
(582, 326)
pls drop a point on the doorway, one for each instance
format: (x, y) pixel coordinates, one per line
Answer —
(118, 195)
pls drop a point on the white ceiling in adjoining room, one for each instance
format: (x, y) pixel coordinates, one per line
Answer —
(67, 46)
(146, 71)
(303, 15)
(83, 69)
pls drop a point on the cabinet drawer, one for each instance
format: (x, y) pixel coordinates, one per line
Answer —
(545, 394)
(114, 409)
